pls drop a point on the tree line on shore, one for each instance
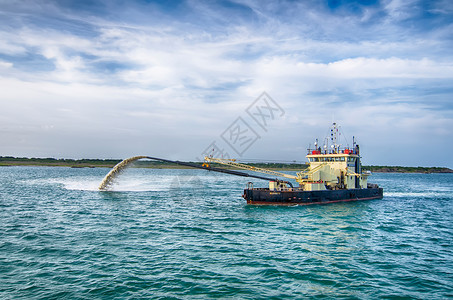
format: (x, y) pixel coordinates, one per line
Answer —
(108, 163)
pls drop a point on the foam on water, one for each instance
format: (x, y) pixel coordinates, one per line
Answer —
(124, 184)
(416, 194)
(81, 184)
(73, 183)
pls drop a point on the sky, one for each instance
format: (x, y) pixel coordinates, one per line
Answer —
(243, 79)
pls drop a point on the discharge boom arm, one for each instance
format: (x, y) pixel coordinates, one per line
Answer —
(233, 163)
(214, 169)
(117, 169)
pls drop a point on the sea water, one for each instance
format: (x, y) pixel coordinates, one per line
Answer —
(188, 234)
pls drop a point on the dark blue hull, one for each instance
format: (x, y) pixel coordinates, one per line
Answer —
(263, 196)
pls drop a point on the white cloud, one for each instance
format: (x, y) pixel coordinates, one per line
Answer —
(400, 9)
(164, 81)
(5, 65)
(380, 68)
(444, 7)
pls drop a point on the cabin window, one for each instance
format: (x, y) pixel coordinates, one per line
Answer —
(341, 158)
(337, 159)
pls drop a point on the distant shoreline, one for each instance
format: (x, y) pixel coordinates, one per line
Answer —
(6, 161)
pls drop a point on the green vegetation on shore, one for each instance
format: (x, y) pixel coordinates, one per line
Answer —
(399, 169)
(88, 163)
(109, 163)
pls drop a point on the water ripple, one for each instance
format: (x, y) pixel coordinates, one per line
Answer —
(159, 237)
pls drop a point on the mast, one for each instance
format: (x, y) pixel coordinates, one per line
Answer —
(334, 137)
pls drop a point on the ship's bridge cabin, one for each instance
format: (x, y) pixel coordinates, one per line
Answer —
(340, 159)
(338, 168)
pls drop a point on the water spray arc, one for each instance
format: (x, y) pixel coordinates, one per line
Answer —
(117, 169)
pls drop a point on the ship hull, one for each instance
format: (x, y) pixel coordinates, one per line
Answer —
(264, 196)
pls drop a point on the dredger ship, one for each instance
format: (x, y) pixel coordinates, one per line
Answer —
(334, 175)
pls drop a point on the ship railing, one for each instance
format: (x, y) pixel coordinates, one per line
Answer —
(338, 151)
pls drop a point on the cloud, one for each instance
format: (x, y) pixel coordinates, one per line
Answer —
(5, 65)
(360, 67)
(97, 74)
